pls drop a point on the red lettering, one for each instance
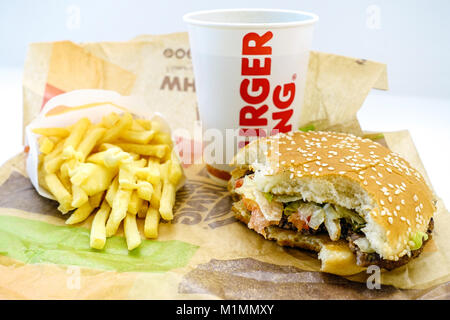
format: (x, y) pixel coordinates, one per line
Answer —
(262, 85)
(288, 90)
(255, 116)
(245, 132)
(259, 41)
(284, 116)
(255, 69)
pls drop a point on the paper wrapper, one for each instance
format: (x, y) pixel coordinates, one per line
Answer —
(204, 252)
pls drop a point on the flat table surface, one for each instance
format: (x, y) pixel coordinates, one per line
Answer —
(427, 119)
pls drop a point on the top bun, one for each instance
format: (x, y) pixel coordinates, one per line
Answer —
(356, 173)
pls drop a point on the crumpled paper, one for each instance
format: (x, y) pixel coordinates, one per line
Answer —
(204, 253)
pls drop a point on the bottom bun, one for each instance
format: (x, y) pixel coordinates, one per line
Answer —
(335, 256)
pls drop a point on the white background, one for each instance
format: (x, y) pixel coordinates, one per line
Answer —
(411, 36)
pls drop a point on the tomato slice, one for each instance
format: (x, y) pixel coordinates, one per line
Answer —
(251, 205)
(297, 220)
(239, 183)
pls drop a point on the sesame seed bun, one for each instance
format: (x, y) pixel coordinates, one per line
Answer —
(345, 170)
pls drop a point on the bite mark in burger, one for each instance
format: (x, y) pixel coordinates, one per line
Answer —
(350, 199)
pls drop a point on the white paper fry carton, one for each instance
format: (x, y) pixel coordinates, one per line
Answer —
(66, 109)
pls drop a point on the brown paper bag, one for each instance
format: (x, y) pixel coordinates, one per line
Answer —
(204, 252)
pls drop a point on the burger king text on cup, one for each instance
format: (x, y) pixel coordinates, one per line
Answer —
(255, 90)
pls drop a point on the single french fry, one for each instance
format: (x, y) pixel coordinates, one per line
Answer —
(156, 195)
(52, 132)
(96, 199)
(58, 190)
(112, 190)
(162, 138)
(136, 126)
(143, 209)
(144, 123)
(55, 152)
(65, 181)
(141, 137)
(90, 140)
(46, 145)
(175, 171)
(154, 175)
(155, 125)
(131, 232)
(135, 203)
(98, 228)
(53, 164)
(167, 201)
(118, 211)
(115, 131)
(110, 120)
(77, 133)
(151, 223)
(80, 214)
(79, 197)
(167, 194)
(97, 158)
(157, 150)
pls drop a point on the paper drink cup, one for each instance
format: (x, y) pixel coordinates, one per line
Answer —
(250, 69)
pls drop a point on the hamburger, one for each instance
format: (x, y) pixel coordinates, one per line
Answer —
(349, 199)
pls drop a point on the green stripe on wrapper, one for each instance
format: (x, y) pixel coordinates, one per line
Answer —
(32, 241)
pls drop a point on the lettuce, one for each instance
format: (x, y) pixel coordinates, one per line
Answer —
(268, 196)
(418, 239)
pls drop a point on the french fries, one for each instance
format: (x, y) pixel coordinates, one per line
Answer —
(119, 170)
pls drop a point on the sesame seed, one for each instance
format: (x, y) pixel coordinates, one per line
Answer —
(391, 221)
